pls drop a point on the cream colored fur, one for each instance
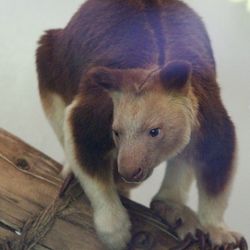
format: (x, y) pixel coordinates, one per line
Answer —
(211, 212)
(54, 108)
(177, 181)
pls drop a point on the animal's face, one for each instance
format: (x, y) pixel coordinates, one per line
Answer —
(147, 130)
(151, 123)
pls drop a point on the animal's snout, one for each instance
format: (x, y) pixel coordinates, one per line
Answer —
(132, 165)
(134, 175)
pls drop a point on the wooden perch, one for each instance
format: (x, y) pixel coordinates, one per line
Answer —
(33, 216)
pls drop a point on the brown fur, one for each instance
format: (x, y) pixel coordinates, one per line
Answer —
(116, 47)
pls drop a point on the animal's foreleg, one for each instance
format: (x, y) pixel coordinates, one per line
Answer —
(95, 174)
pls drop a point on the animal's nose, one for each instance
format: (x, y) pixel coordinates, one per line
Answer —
(135, 175)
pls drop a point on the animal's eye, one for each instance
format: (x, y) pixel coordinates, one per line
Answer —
(115, 132)
(154, 132)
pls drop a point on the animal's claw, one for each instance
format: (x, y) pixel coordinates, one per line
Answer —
(231, 246)
(178, 223)
(202, 238)
(217, 248)
(243, 244)
(188, 240)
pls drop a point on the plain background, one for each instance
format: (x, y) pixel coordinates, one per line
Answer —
(21, 24)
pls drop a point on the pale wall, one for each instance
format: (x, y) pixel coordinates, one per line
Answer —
(21, 24)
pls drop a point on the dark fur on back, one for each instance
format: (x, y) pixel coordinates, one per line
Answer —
(122, 35)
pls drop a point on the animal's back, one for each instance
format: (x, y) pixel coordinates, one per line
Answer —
(123, 34)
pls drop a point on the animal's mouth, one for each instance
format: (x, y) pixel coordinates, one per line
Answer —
(132, 181)
(138, 178)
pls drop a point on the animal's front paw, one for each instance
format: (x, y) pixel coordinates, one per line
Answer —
(182, 219)
(113, 228)
(222, 238)
(186, 224)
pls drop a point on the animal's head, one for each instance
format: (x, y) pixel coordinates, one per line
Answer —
(154, 111)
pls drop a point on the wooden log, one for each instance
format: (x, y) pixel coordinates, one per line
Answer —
(33, 216)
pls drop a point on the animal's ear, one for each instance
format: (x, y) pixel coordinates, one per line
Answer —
(176, 75)
(104, 77)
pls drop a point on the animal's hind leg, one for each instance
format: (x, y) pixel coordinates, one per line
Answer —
(215, 170)
(53, 104)
(54, 108)
(214, 190)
